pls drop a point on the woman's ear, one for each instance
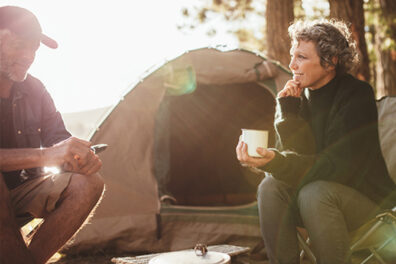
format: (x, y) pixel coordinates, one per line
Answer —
(331, 67)
(334, 60)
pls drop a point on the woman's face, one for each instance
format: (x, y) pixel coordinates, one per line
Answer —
(306, 67)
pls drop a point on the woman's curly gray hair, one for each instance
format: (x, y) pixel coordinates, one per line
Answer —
(332, 38)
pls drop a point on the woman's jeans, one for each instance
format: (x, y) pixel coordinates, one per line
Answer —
(328, 210)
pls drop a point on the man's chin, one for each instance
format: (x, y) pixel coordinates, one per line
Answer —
(17, 77)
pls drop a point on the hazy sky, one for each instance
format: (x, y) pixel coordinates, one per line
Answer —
(105, 45)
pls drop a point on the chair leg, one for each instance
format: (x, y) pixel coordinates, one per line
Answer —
(385, 218)
(305, 249)
(366, 235)
(302, 255)
(375, 254)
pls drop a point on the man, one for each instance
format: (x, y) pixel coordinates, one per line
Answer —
(32, 136)
(328, 173)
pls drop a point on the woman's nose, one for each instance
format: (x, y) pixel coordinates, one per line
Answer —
(292, 64)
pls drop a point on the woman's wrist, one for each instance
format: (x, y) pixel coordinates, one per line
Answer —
(289, 104)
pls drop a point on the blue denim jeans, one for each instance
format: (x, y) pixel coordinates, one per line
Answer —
(328, 210)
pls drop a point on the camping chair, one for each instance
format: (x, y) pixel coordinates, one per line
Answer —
(374, 236)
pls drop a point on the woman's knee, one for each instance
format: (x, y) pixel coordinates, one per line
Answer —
(267, 186)
(271, 190)
(315, 195)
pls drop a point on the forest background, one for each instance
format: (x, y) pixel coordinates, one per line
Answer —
(261, 25)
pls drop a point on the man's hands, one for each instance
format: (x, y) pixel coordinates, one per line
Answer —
(292, 88)
(247, 161)
(74, 155)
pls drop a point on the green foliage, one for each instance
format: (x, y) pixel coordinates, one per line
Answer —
(245, 19)
(383, 25)
(377, 23)
(299, 12)
(312, 9)
(381, 39)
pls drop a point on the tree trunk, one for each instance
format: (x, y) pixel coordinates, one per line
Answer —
(386, 54)
(279, 15)
(352, 11)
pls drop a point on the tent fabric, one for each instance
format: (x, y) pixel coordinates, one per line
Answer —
(387, 132)
(238, 66)
(82, 124)
(189, 138)
(183, 226)
(130, 203)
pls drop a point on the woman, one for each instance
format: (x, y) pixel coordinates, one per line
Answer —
(327, 173)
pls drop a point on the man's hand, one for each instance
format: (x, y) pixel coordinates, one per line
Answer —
(292, 88)
(74, 155)
(247, 161)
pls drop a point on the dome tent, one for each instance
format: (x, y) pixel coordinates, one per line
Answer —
(176, 131)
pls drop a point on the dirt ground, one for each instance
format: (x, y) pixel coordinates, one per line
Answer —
(95, 259)
(102, 259)
(107, 259)
(99, 259)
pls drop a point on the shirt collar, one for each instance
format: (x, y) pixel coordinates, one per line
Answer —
(19, 89)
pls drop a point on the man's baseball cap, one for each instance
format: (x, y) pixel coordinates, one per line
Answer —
(23, 23)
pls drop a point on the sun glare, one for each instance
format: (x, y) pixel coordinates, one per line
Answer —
(53, 170)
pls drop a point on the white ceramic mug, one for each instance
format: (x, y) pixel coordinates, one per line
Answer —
(254, 139)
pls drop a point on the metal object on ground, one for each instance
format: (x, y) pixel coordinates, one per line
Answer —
(200, 249)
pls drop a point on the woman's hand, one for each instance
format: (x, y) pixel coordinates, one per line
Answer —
(292, 88)
(247, 161)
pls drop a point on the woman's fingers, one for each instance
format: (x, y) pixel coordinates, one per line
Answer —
(241, 151)
(292, 88)
(283, 93)
(247, 161)
(244, 158)
(297, 88)
(238, 150)
(262, 152)
(245, 155)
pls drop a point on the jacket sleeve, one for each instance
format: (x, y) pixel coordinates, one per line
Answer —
(351, 124)
(293, 132)
(52, 127)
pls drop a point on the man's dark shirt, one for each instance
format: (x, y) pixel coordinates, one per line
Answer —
(7, 137)
(31, 121)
